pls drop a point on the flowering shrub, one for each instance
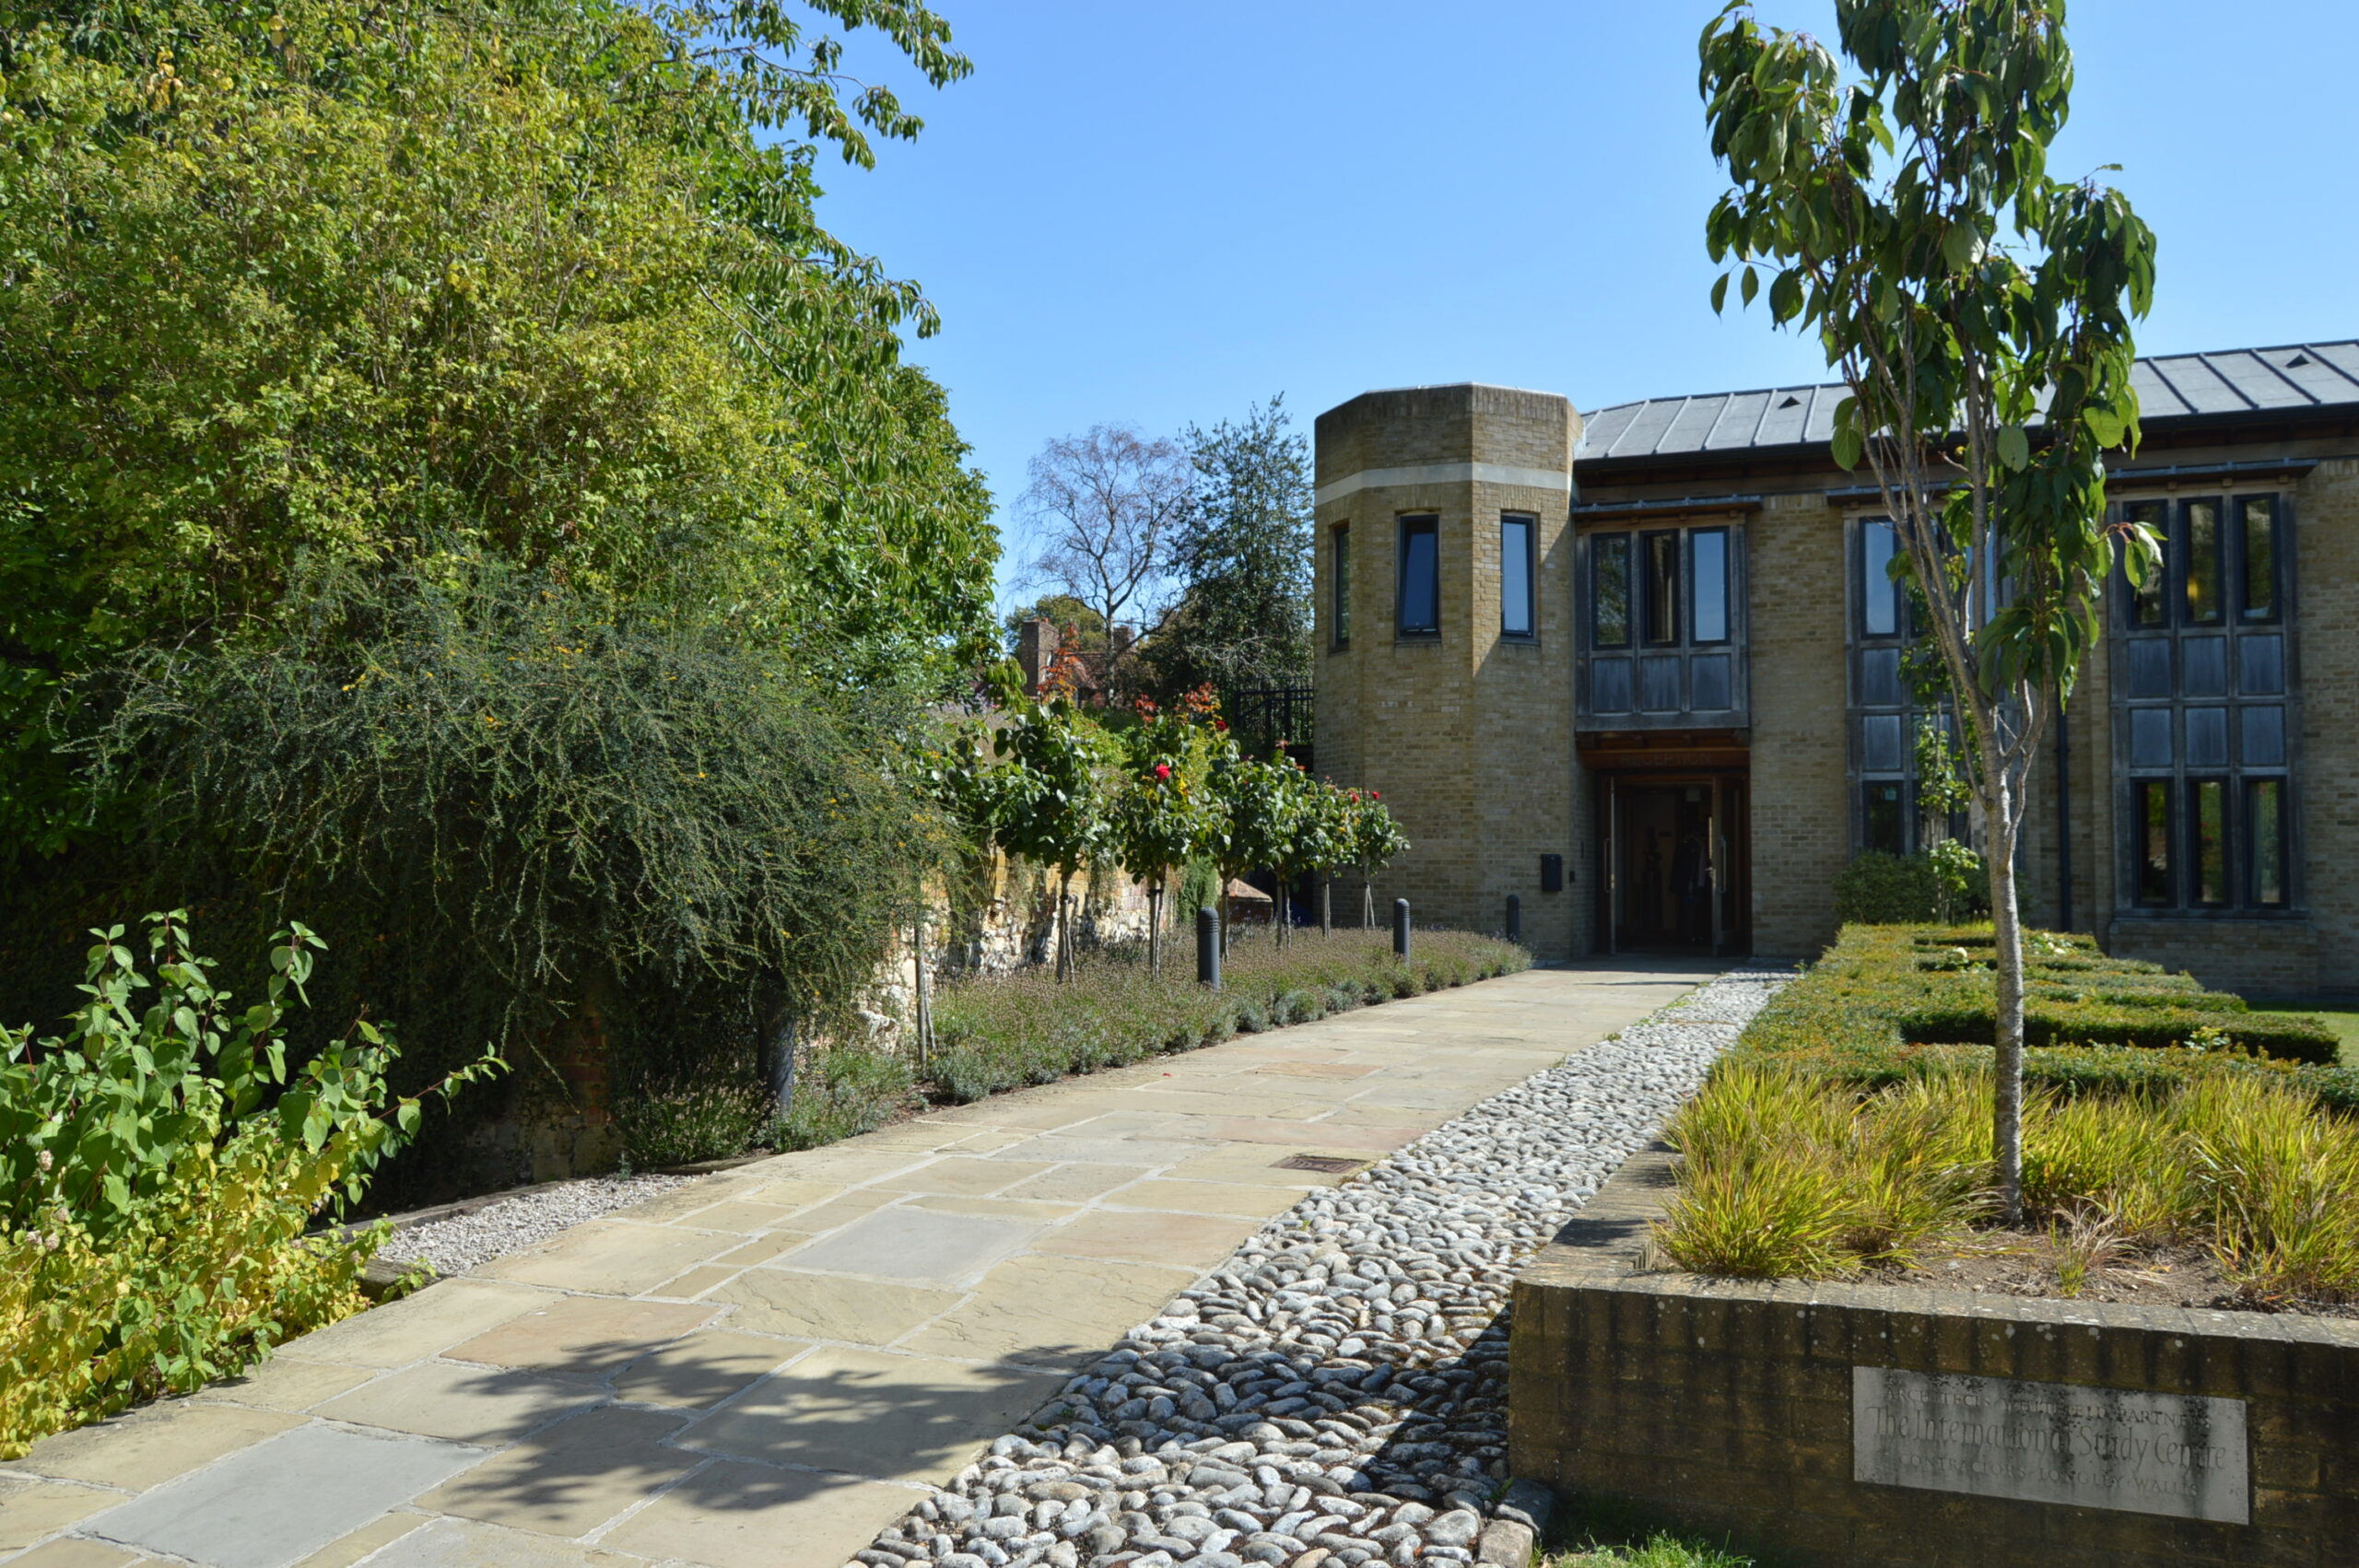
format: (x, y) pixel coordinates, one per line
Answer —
(159, 1170)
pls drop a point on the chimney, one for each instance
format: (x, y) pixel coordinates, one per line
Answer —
(1123, 637)
(1036, 651)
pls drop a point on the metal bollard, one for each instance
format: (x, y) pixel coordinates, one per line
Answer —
(1514, 919)
(1401, 927)
(1208, 947)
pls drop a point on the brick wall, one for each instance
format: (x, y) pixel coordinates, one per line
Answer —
(1802, 819)
(1468, 735)
(1725, 1407)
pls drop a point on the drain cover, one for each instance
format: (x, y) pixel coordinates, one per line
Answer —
(1331, 1164)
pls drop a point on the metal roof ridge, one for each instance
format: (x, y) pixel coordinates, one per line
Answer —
(2150, 360)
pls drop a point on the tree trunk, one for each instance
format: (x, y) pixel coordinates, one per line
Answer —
(1155, 931)
(779, 1052)
(2007, 1118)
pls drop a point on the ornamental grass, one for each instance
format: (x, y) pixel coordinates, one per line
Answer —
(1791, 1175)
(1003, 1032)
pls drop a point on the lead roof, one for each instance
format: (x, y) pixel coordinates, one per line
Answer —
(2294, 378)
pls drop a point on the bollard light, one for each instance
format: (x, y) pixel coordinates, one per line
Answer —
(1401, 926)
(1208, 947)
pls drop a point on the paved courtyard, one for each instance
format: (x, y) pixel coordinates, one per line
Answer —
(765, 1367)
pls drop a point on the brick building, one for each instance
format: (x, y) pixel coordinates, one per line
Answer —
(1640, 668)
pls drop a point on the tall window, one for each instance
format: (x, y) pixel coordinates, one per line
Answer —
(1610, 591)
(1879, 595)
(1662, 603)
(1707, 550)
(1419, 599)
(2203, 693)
(1342, 559)
(1515, 545)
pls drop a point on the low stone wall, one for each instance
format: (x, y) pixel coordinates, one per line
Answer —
(1854, 1426)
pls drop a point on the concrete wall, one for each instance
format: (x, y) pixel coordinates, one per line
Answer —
(1467, 734)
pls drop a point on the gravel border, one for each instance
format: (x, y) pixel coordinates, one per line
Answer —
(1337, 1389)
(470, 1240)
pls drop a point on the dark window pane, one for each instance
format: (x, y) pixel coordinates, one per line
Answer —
(2259, 514)
(2146, 607)
(1610, 591)
(1658, 684)
(1662, 589)
(1879, 595)
(2150, 667)
(2207, 737)
(2203, 666)
(2155, 842)
(2150, 737)
(2211, 840)
(1708, 674)
(1882, 749)
(2261, 665)
(1887, 824)
(2264, 737)
(1708, 550)
(1420, 575)
(1343, 583)
(1880, 677)
(1515, 576)
(2265, 826)
(2203, 563)
(1609, 685)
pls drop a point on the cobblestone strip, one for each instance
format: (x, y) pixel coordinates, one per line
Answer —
(1338, 1388)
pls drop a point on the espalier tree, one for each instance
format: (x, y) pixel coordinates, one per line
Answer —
(1980, 314)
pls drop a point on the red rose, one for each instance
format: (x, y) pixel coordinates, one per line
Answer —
(1162, 770)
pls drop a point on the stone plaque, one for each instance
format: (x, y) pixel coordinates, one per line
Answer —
(2182, 1454)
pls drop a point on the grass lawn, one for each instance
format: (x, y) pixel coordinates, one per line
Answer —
(1663, 1551)
(2345, 1025)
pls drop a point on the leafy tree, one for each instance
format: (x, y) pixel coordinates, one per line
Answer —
(1165, 816)
(1050, 806)
(1376, 841)
(333, 283)
(541, 811)
(1243, 556)
(1262, 807)
(1980, 314)
(1324, 844)
(1080, 626)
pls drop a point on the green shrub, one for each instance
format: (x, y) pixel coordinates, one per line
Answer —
(1881, 987)
(842, 1092)
(158, 1169)
(998, 1033)
(1885, 889)
(662, 1127)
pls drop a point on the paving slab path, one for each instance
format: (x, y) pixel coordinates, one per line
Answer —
(765, 1367)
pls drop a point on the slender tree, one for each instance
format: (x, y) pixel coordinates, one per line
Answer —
(1980, 314)
(1106, 507)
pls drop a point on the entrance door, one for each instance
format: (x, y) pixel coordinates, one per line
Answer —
(1678, 858)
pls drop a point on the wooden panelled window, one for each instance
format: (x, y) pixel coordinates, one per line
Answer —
(1707, 550)
(2151, 604)
(2156, 884)
(2204, 605)
(1879, 595)
(1662, 603)
(2208, 855)
(1516, 544)
(1419, 596)
(2265, 832)
(2206, 708)
(1610, 591)
(1340, 558)
(1884, 815)
(2257, 529)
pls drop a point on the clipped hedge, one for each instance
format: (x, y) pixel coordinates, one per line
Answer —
(1880, 987)
(1001, 1033)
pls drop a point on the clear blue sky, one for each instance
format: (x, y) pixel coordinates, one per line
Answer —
(1154, 214)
